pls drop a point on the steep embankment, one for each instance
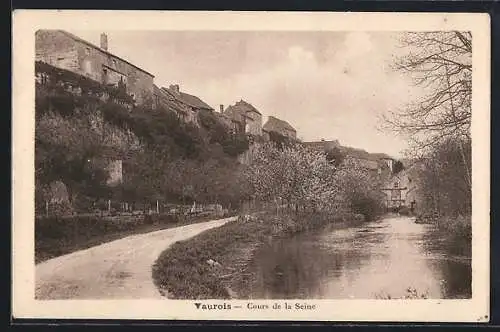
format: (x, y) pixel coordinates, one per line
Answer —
(81, 125)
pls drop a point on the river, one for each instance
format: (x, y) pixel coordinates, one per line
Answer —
(380, 259)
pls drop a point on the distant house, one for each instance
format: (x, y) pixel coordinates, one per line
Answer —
(166, 101)
(322, 145)
(245, 118)
(378, 164)
(401, 189)
(64, 50)
(279, 126)
(187, 105)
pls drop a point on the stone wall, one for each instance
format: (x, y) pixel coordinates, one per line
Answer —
(61, 50)
(254, 124)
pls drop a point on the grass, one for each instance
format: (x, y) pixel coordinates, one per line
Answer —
(59, 236)
(186, 270)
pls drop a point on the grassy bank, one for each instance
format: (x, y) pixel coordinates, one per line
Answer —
(214, 264)
(58, 236)
(456, 233)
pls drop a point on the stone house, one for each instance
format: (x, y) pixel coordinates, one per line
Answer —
(233, 125)
(279, 126)
(164, 100)
(322, 145)
(64, 50)
(185, 105)
(245, 118)
(401, 189)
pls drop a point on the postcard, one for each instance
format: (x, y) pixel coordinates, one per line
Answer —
(257, 166)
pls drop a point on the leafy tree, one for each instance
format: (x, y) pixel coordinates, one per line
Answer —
(335, 155)
(397, 167)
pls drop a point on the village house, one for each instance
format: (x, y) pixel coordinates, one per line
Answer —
(322, 145)
(185, 105)
(245, 118)
(64, 50)
(279, 126)
(233, 125)
(401, 189)
(378, 164)
(164, 100)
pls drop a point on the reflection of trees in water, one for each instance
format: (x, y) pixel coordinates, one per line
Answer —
(452, 260)
(299, 267)
(315, 264)
(458, 279)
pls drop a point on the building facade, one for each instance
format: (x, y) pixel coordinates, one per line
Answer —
(245, 117)
(64, 50)
(401, 190)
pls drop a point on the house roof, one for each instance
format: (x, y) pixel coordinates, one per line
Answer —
(240, 110)
(167, 100)
(362, 154)
(242, 107)
(188, 99)
(273, 123)
(102, 50)
(322, 145)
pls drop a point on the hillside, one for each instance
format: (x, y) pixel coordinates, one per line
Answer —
(81, 126)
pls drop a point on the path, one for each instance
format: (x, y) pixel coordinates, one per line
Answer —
(119, 269)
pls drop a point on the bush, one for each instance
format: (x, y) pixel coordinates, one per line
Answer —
(368, 206)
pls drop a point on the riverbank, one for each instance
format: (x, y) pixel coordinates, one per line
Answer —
(55, 236)
(215, 264)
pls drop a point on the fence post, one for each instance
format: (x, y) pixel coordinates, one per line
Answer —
(157, 208)
(47, 208)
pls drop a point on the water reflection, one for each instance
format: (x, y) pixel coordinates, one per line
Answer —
(376, 259)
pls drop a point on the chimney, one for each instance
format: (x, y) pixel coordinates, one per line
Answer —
(104, 41)
(221, 108)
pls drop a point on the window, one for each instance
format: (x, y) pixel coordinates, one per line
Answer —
(87, 51)
(87, 68)
(105, 75)
(396, 184)
(114, 62)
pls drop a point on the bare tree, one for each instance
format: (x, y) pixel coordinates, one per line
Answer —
(440, 63)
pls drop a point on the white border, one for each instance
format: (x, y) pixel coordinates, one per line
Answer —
(26, 22)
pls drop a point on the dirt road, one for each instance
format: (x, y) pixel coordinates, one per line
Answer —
(115, 270)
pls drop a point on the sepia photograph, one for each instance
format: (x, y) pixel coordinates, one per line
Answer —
(257, 170)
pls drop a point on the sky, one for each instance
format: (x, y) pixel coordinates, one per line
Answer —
(326, 84)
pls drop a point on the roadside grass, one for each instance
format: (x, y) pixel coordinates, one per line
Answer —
(183, 270)
(214, 264)
(59, 236)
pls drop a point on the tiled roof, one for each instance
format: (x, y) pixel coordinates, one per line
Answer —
(322, 144)
(188, 99)
(240, 110)
(242, 107)
(274, 123)
(102, 50)
(167, 100)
